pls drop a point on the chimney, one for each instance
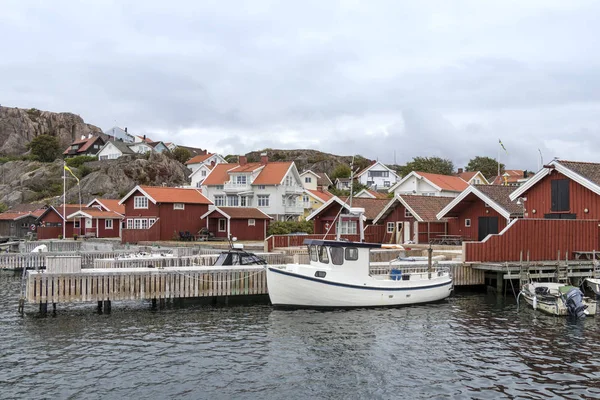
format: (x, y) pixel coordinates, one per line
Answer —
(82, 137)
(525, 174)
(264, 159)
(212, 163)
(242, 160)
(90, 135)
(460, 170)
(144, 138)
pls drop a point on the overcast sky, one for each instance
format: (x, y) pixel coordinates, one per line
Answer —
(382, 79)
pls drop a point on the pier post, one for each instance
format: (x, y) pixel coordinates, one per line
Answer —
(99, 307)
(107, 306)
(162, 303)
(154, 303)
(43, 308)
(54, 308)
(500, 282)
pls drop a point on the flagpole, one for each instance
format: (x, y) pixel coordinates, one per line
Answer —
(498, 159)
(64, 200)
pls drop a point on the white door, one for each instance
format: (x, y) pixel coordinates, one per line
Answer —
(88, 223)
(399, 232)
(406, 232)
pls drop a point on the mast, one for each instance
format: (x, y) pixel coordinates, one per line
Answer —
(64, 200)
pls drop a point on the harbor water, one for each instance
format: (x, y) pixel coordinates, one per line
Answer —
(471, 346)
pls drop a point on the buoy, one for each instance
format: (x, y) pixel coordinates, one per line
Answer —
(535, 302)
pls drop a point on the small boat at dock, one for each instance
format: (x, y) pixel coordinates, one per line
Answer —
(558, 299)
(594, 285)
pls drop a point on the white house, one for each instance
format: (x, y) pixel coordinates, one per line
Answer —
(141, 147)
(273, 187)
(158, 147)
(120, 134)
(377, 175)
(199, 175)
(342, 183)
(113, 150)
(427, 184)
(204, 159)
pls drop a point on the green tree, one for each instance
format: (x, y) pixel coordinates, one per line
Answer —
(488, 166)
(341, 171)
(182, 154)
(45, 148)
(433, 165)
(3, 207)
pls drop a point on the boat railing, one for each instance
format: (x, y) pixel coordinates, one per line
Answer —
(408, 269)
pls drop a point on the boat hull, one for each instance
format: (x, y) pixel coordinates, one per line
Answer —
(555, 305)
(288, 289)
(594, 284)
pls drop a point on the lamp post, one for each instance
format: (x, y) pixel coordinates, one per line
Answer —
(521, 202)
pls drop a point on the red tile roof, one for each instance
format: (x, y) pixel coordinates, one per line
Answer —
(219, 175)
(324, 196)
(11, 216)
(243, 212)
(112, 205)
(145, 139)
(273, 173)
(372, 206)
(86, 144)
(427, 207)
(377, 195)
(445, 182)
(198, 159)
(162, 194)
(466, 176)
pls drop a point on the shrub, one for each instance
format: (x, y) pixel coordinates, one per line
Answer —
(287, 227)
(78, 161)
(45, 148)
(84, 171)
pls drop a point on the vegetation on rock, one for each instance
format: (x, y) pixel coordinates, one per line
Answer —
(45, 148)
(181, 154)
(433, 165)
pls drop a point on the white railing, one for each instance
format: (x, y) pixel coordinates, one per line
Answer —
(236, 187)
(294, 189)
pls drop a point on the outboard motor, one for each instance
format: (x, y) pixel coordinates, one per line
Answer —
(574, 302)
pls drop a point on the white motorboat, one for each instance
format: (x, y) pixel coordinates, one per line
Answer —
(338, 275)
(594, 284)
(558, 299)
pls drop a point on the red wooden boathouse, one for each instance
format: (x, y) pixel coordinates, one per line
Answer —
(244, 223)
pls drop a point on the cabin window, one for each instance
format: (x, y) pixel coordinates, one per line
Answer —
(178, 206)
(320, 274)
(407, 214)
(251, 222)
(560, 195)
(108, 224)
(312, 251)
(151, 221)
(390, 227)
(222, 225)
(351, 253)
(323, 256)
(77, 224)
(140, 202)
(467, 223)
(307, 179)
(144, 223)
(240, 179)
(220, 201)
(337, 255)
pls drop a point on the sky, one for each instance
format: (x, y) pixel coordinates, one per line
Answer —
(389, 80)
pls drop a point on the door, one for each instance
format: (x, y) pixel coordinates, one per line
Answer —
(487, 226)
(399, 232)
(406, 232)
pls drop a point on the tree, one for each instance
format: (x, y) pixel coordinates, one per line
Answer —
(3, 207)
(341, 171)
(433, 165)
(182, 154)
(45, 148)
(488, 166)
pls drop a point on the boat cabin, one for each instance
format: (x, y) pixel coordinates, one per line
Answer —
(339, 252)
(237, 256)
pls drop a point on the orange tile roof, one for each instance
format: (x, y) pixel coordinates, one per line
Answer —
(219, 175)
(147, 139)
(112, 205)
(377, 195)
(243, 212)
(198, 159)
(466, 176)
(273, 173)
(445, 182)
(163, 194)
(324, 196)
(514, 175)
(11, 216)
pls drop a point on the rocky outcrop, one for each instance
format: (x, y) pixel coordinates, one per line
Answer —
(19, 126)
(32, 181)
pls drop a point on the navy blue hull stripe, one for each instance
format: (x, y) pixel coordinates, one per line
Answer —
(308, 278)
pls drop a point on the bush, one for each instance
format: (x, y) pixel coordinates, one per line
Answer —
(78, 161)
(3, 207)
(45, 148)
(84, 171)
(287, 227)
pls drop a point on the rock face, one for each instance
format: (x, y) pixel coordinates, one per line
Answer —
(32, 181)
(19, 126)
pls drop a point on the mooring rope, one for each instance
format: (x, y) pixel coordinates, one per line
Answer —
(225, 281)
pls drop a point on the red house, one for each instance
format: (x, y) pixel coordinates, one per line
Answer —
(91, 221)
(327, 217)
(50, 222)
(108, 205)
(480, 210)
(162, 213)
(412, 218)
(244, 223)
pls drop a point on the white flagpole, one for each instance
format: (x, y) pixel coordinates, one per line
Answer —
(64, 200)
(498, 159)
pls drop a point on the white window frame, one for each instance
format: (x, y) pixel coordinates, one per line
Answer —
(241, 180)
(144, 223)
(263, 200)
(407, 214)
(390, 227)
(261, 187)
(224, 225)
(140, 202)
(151, 222)
(243, 201)
(233, 200)
(203, 172)
(467, 222)
(137, 223)
(108, 223)
(220, 200)
(346, 225)
(251, 222)
(178, 206)
(307, 179)
(129, 223)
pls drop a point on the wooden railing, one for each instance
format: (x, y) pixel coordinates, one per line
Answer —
(185, 261)
(151, 234)
(536, 240)
(53, 245)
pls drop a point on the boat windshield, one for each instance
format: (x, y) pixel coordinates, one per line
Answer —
(312, 251)
(239, 259)
(323, 256)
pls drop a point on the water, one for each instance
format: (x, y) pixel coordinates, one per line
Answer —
(471, 346)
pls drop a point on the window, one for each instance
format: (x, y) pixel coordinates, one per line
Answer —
(467, 223)
(305, 198)
(219, 187)
(289, 181)
(380, 174)
(560, 195)
(108, 224)
(390, 227)
(130, 224)
(337, 255)
(370, 183)
(251, 222)
(477, 181)
(351, 253)
(77, 224)
(261, 187)
(307, 179)
(243, 201)
(151, 222)
(137, 223)
(178, 206)
(312, 251)
(232, 201)
(203, 173)
(386, 183)
(348, 227)
(103, 157)
(220, 201)
(140, 202)
(144, 223)
(407, 214)
(323, 256)
(263, 200)
(199, 184)
(240, 179)
(222, 225)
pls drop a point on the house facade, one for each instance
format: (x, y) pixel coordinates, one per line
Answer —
(161, 213)
(141, 147)
(377, 176)
(209, 159)
(243, 223)
(472, 177)
(113, 150)
(49, 225)
(159, 147)
(412, 219)
(18, 224)
(342, 183)
(312, 200)
(315, 180)
(86, 146)
(93, 222)
(199, 175)
(273, 187)
(480, 210)
(426, 184)
(120, 134)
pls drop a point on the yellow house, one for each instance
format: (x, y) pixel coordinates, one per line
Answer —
(313, 200)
